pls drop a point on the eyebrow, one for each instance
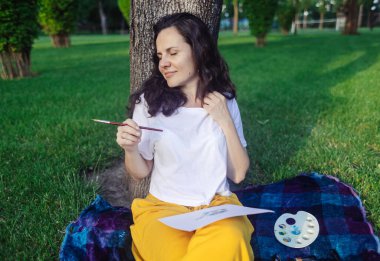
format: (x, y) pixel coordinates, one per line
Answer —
(168, 49)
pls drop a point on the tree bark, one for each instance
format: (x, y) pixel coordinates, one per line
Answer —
(15, 65)
(304, 21)
(360, 18)
(236, 17)
(260, 41)
(296, 24)
(144, 13)
(60, 40)
(284, 31)
(321, 19)
(351, 12)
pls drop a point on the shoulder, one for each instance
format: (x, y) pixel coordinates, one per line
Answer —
(232, 104)
(141, 101)
(141, 105)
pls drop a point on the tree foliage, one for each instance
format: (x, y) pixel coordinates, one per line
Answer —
(260, 14)
(125, 8)
(58, 16)
(286, 12)
(340, 3)
(18, 25)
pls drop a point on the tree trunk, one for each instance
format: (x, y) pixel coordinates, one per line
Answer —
(295, 24)
(304, 21)
(60, 40)
(236, 17)
(284, 31)
(260, 41)
(372, 17)
(15, 65)
(103, 18)
(321, 19)
(143, 16)
(351, 12)
(360, 18)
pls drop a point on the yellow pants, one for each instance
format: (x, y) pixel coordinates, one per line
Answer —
(224, 240)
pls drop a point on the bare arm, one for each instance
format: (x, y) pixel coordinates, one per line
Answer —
(128, 137)
(238, 161)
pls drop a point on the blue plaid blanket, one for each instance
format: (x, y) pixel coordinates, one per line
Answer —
(102, 231)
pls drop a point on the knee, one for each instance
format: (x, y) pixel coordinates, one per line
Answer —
(235, 229)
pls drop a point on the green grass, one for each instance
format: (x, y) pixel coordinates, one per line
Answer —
(308, 103)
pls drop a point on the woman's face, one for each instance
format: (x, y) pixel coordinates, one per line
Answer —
(176, 62)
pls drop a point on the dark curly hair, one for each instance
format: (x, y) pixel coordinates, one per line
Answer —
(212, 69)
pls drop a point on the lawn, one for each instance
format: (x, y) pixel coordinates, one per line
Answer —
(308, 102)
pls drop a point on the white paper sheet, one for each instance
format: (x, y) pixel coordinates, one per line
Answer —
(200, 218)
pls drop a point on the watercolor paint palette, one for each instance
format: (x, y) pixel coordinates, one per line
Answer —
(298, 230)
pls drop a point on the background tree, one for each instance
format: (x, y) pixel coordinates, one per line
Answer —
(350, 9)
(322, 8)
(304, 6)
(18, 29)
(232, 10)
(57, 18)
(373, 8)
(297, 5)
(103, 16)
(143, 15)
(235, 28)
(260, 14)
(105, 7)
(286, 12)
(89, 17)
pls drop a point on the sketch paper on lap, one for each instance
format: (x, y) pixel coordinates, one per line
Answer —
(200, 218)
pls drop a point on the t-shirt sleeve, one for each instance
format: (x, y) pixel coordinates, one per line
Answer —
(141, 117)
(235, 114)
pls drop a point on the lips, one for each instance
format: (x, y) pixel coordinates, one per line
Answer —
(169, 74)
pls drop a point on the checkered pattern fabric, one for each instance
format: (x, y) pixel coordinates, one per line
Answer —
(102, 232)
(344, 232)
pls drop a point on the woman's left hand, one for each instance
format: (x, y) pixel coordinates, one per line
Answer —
(216, 105)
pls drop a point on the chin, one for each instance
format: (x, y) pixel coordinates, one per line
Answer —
(172, 84)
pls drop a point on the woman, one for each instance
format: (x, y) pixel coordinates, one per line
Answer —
(191, 97)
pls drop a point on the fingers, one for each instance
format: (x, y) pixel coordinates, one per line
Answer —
(128, 136)
(213, 98)
(131, 123)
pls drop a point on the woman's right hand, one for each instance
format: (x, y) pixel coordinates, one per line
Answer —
(128, 137)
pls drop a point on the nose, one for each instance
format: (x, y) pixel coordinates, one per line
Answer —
(164, 62)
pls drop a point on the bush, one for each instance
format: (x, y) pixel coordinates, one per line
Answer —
(260, 14)
(18, 29)
(57, 18)
(285, 13)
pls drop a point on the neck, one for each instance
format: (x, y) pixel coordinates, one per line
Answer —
(190, 90)
(192, 100)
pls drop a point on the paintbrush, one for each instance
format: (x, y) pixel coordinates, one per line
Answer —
(124, 124)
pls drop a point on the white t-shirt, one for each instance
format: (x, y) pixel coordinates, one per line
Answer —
(190, 155)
